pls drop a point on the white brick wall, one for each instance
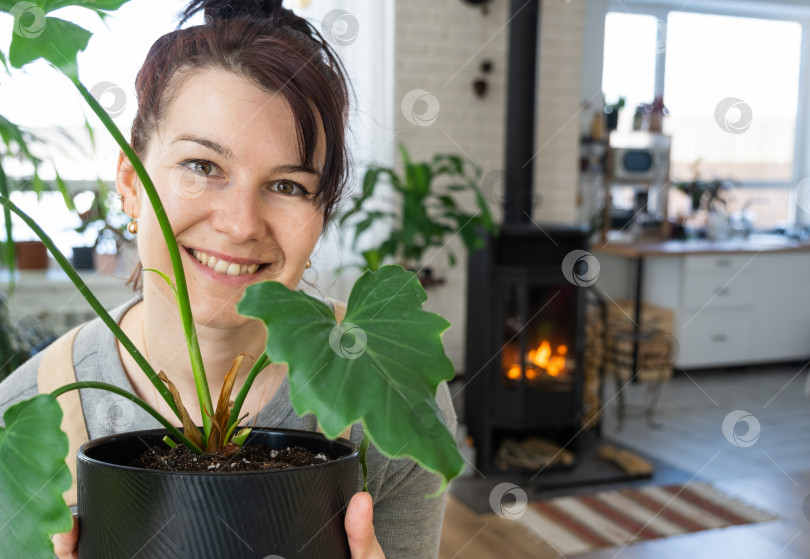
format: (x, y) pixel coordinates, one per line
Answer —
(439, 48)
(557, 135)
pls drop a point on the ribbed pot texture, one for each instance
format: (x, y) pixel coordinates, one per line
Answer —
(131, 512)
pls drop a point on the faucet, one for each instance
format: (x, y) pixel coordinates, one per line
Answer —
(743, 220)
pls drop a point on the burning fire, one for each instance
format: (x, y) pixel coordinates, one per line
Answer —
(544, 358)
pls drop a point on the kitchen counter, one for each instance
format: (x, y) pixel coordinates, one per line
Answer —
(753, 244)
(735, 302)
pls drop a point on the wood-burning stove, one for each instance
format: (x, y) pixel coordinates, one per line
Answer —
(525, 339)
(525, 320)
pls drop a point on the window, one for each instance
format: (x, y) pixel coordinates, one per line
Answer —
(731, 86)
(629, 65)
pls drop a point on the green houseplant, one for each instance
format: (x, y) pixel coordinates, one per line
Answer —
(17, 144)
(429, 213)
(109, 229)
(396, 376)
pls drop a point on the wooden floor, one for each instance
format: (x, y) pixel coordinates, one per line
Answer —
(773, 474)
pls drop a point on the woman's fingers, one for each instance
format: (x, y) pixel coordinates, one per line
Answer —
(65, 545)
(360, 529)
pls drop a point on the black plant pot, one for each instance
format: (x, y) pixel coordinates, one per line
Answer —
(83, 258)
(128, 512)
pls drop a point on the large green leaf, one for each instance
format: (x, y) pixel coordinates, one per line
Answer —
(48, 6)
(382, 364)
(56, 40)
(33, 476)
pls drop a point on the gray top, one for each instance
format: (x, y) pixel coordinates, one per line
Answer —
(407, 524)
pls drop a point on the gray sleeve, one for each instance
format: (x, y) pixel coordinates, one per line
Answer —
(407, 522)
(19, 385)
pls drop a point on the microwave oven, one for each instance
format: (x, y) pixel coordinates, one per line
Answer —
(639, 157)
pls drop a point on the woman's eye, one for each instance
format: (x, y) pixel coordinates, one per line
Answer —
(201, 167)
(288, 187)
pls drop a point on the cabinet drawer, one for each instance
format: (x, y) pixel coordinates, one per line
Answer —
(710, 290)
(713, 337)
(724, 264)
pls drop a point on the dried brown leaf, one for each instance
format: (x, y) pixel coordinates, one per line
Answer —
(223, 409)
(215, 437)
(229, 449)
(189, 428)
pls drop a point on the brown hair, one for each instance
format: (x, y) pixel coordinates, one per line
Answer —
(277, 50)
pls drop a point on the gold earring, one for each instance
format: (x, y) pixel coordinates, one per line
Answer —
(309, 263)
(132, 227)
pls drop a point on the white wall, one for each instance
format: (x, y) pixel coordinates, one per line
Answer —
(439, 48)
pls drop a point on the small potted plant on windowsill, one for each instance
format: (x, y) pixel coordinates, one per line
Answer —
(389, 387)
(111, 236)
(612, 111)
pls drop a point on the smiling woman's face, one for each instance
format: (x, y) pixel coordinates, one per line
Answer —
(225, 162)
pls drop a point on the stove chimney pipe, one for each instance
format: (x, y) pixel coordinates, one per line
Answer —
(524, 24)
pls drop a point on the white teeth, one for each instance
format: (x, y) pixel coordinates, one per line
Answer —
(223, 266)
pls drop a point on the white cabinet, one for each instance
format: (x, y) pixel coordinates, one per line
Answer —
(781, 307)
(734, 308)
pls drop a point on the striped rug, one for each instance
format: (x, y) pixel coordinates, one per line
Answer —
(583, 523)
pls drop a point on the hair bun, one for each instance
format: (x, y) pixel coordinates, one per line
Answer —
(215, 10)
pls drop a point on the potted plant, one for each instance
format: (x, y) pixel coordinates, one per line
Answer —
(392, 381)
(111, 237)
(428, 214)
(16, 144)
(708, 201)
(612, 113)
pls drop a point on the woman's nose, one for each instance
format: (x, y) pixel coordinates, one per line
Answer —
(240, 214)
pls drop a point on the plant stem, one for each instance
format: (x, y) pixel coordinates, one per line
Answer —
(258, 366)
(8, 247)
(94, 303)
(132, 398)
(362, 457)
(200, 380)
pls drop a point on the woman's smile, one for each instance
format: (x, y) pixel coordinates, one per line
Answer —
(231, 270)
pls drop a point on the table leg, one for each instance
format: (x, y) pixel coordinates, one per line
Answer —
(637, 315)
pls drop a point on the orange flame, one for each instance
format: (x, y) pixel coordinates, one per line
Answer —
(544, 358)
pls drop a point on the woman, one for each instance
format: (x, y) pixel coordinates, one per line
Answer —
(240, 124)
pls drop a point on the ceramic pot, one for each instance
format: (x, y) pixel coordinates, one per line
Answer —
(294, 513)
(31, 255)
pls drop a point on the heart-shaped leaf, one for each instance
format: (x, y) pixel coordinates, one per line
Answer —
(382, 364)
(33, 476)
(56, 40)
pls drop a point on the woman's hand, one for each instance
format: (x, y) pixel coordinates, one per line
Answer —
(360, 530)
(65, 546)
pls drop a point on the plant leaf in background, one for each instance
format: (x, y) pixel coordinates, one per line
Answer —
(382, 364)
(33, 476)
(428, 214)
